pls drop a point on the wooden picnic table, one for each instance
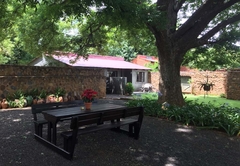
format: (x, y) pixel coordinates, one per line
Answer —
(54, 116)
(100, 117)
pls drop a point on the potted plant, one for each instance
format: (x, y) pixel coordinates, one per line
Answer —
(29, 99)
(59, 93)
(207, 86)
(51, 98)
(88, 96)
(34, 93)
(19, 98)
(129, 88)
(5, 104)
(42, 97)
(12, 104)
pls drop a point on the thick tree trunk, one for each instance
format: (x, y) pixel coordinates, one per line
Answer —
(170, 58)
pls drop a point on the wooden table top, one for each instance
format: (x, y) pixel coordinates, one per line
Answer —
(57, 114)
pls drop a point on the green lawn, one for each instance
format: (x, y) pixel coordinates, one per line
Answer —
(215, 100)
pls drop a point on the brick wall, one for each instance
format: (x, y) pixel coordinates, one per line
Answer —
(225, 82)
(72, 80)
(217, 78)
(233, 84)
(153, 78)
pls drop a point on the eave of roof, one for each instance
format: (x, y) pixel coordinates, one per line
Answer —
(100, 62)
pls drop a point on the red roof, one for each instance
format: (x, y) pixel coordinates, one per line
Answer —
(144, 59)
(98, 61)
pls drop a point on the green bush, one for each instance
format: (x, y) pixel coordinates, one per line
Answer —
(29, 100)
(222, 95)
(201, 115)
(151, 107)
(129, 88)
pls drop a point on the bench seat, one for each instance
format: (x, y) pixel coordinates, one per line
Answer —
(94, 122)
(89, 129)
(38, 108)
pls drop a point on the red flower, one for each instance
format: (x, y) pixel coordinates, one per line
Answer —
(88, 95)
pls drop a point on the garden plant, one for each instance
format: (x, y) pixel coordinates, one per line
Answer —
(20, 99)
(201, 115)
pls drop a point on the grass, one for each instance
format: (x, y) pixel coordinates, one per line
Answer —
(214, 100)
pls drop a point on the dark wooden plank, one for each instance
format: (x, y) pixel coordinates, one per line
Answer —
(55, 115)
(119, 114)
(37, 110)
(100, 117)
(55, 148)
(89, 129)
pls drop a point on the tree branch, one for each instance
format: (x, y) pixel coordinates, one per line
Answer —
(205, 38)
(206, 42)
(220, 26)
(179, 4)
(201, 18)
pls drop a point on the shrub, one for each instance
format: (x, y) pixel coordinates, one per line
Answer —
(129, 88)
(222, 95)
(201, 115)
(151, 107)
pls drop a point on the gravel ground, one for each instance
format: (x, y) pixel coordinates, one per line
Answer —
(161, 143)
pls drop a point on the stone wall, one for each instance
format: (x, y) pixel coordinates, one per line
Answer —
(72, 80)
(233, 84)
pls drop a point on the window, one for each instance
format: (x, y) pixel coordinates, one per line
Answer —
(140, 76)
(112, 73)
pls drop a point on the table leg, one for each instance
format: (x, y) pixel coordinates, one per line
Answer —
(49, 131)
(118, 120)
(54, 140)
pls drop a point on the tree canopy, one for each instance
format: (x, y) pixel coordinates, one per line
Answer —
(174, 26)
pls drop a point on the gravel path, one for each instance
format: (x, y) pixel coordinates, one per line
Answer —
(161, 143)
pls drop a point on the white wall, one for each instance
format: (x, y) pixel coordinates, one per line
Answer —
(45, 61)
(138, 85)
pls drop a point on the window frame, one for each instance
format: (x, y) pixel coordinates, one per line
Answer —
(140, 76)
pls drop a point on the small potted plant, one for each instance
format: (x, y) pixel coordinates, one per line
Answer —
(34, 93)
(42, 97)
(207, 86)
(129, 88)
(5, 104)
(88, 96)
(59, 93)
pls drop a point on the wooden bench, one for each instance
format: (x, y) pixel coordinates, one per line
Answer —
(38, 108)
(102, 120)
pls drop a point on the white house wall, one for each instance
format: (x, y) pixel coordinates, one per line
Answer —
(45, 61)
(138, 85)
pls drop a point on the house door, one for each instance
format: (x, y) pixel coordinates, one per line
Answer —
(116, 85)
(185, 84)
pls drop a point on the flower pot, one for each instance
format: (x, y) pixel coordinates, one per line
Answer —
(4, 104)
(40, 101)
(88, 106)
(206, 87)
(34, 101)
(65, 99)
(60, 99)
(51, 99)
